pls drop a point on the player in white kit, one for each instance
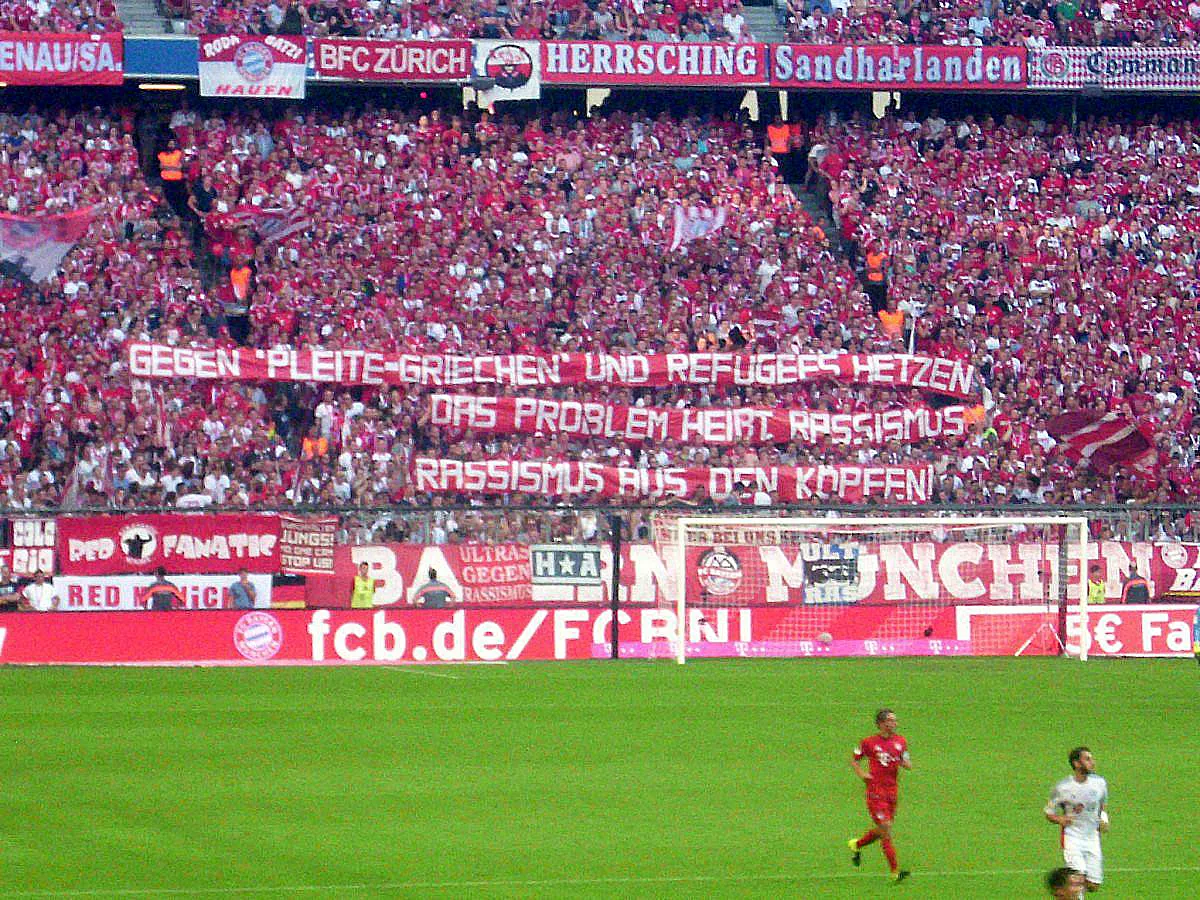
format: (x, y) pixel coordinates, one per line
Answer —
(1079, 806)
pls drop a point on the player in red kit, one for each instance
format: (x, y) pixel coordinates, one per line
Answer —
(886, 754)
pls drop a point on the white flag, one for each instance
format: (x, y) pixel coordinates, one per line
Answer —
(696, 221)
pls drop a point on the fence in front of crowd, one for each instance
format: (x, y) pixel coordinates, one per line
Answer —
(474, 583)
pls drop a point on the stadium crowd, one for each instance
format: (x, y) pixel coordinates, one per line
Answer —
(1048, 256)
(1035, 24)
(95, 16)
(616, 20)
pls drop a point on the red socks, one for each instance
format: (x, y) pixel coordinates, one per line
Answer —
(890, 852)
(867, 839)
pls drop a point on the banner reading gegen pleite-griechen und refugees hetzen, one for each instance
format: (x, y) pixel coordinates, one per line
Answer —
(350, 367)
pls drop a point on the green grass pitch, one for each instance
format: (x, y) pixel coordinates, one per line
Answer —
(715, 779)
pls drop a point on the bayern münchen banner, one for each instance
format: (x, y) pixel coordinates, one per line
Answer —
(602, 63)
(261, 66)
(407, 61)
(1116, 68)
(710, 425)
(514, 68)
(32, 247)
(953, 378)
(783, 484)
(180, 543)
(899, 66)
(72, 59)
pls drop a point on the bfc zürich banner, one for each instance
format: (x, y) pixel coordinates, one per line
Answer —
(362, 59)
(709, 425)
(268, 66)
(783, 484)
(34, 58)
(952, 378)
(181, 543)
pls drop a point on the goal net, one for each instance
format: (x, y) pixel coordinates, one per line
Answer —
(765, 585)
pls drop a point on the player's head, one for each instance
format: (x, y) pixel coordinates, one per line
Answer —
(885, 720)
(1065, 882)
(1081, 760)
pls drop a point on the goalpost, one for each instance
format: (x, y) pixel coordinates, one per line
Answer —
(1000, 584)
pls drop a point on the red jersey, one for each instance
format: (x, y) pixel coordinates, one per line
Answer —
(884, 756)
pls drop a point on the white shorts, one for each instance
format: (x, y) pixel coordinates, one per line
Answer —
(1085, 857)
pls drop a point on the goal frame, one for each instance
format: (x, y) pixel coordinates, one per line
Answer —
(681, 524)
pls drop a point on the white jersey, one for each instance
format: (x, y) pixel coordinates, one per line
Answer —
(1082, 800)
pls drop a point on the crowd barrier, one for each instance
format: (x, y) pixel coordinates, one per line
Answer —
(237, 64)
(527, 583)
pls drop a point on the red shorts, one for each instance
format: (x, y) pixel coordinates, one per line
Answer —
(882, 807)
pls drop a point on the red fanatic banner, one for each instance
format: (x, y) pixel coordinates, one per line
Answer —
(892, 67)
(604, 63)
(71, 59)
(755, 426)
(894, 573)
(368, 367)
(183, 544)
(367, 60)
(784, 484)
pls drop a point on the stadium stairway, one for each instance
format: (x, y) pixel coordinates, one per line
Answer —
(764, 23)
(142, 17)
(817, 206)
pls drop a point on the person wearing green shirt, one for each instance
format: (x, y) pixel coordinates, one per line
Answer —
(364, 589)
(1067, 11)
(1095, 595)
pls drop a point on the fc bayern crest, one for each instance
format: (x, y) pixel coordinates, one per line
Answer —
(1054, 64)
(258, 636)
(719, 572)
(254, 61)
(511, 66)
